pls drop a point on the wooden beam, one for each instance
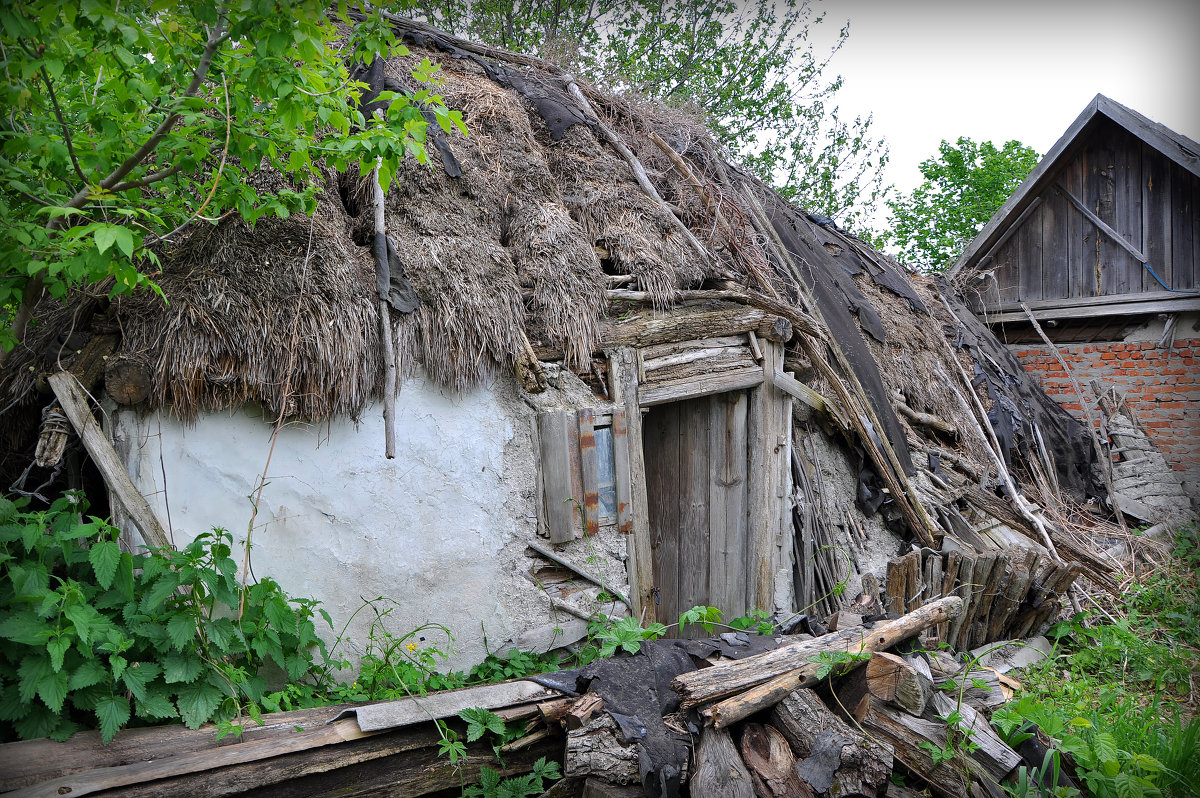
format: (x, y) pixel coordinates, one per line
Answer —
(689, 324)
(1116, 237)
(1096, 306)
(793, 387)
(74, 402)
(623, 367)
(691, 387)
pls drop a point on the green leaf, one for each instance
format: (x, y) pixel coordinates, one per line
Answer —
(181, 628)
(91, 672)
(138, 675)
(57, 648)
(26, 628)
(30, 674)
(183, 667)
(1105, 746)
(105, 556)
(52, 689)
(113, 713)
(197, 703)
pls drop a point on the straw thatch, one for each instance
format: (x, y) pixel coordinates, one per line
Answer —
(513, 254)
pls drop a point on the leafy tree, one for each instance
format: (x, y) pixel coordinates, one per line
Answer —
(964, 185)
(130, 120)
(746, 65)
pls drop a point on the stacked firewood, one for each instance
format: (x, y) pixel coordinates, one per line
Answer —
(1006, 594)
(827, 716)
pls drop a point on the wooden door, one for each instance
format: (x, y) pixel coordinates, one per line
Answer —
(696, 475)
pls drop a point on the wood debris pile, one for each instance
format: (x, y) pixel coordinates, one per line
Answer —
(838, 714)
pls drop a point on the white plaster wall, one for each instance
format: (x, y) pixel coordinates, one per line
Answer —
(440, 529)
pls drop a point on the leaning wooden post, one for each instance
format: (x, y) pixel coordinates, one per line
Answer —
(74, 403)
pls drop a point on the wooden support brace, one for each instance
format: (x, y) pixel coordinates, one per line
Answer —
(75, 405)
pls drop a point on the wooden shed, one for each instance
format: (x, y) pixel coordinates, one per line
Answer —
(1100, 248)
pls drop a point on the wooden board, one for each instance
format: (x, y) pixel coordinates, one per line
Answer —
(587, 470)
(1156, 198)
(727, 504)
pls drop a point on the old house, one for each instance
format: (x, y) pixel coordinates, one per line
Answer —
(631, 378)
(1100, 249)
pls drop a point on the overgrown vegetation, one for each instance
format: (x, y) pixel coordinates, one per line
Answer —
(1119, 693)
(96, 637)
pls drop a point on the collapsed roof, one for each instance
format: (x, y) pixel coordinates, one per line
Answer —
(525, 242)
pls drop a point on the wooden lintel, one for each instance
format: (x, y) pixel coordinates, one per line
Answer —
(690, 388)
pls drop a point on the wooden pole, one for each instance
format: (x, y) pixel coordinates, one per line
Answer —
(385, 320)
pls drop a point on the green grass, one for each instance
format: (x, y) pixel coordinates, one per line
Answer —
(1119, 693)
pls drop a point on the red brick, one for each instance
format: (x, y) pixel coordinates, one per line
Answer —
(1108, 356)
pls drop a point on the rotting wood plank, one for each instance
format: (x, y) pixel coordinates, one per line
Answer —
(765, 428)
(588, 470)
(1029, 259)
(790, 385)
(1184, 223)
(695, 477)
(555, 444)
(640, 565)
(1078, 286)
(686, 324)
(75, 405)
(1055, 263)
(445, 704)
(662, 489)
(727, 512)
(620, 435)
(1129, 209)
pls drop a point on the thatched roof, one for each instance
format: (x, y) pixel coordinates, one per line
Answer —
(510, 240)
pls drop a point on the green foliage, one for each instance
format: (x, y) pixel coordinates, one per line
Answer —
(491, 786)
(747, 67)
(128, 121)
(758, 620)
(625, 634)
(831, 661)
(1111, 695)
(964, 185)
(96, 637)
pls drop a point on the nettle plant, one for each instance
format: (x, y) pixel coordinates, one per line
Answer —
(95, 636)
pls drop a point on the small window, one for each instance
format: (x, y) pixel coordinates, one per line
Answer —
(606, 476)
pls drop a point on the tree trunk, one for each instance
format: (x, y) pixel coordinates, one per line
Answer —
(720, 772)
(771, 763)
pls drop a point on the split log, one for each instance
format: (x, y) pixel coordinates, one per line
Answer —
(837, 759)
(980, 687)
(897, 577)
(950, 569)
(582, 710)
(905, 734)
(75, 405)
(993, 757)
(756, 683)
(771, 763)
(720, 772)
(1004, 608)
(595, 749)
(896, 680)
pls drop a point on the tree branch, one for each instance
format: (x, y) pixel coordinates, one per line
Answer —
(63, 124)
(36, 283)
(147, 180)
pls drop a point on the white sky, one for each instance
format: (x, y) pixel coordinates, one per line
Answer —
(1020, 69)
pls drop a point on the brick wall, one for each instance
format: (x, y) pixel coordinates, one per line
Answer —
(1162, 386)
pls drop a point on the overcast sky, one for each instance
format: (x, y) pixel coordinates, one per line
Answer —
(1015, 69)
